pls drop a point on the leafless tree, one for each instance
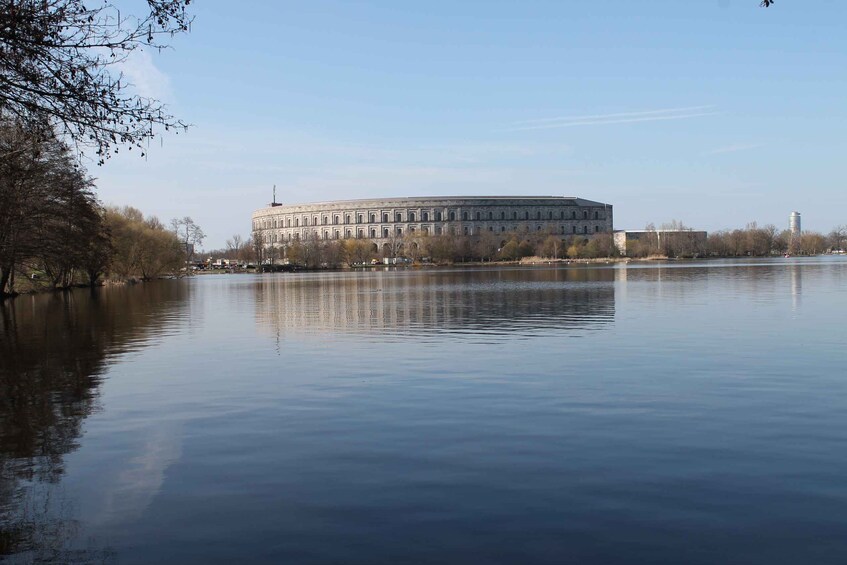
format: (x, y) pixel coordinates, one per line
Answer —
(60, 69)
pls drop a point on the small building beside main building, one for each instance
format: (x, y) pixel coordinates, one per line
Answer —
(670, 242)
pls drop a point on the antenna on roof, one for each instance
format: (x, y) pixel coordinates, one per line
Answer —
(274, 202)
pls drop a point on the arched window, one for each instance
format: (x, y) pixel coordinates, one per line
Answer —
(349, 233)
(574, 229)
(491, 215)
(399, 231)
(514, 215)
(478, 216)
(550, 215)
(316, 221)
(538, 215)
(373, 233)
(596, 215)
(502, 215)
(438, 216)
(347, 219)
(464, 216)
(385, 218)
(452, 216)
(373, 218)
(585, 214)
(335, 221)
(398, 217)
(305, 221)
(573, 215)
(384, 232)
(411, 216)
(360, 219)
(465, 230)
(502, 229)
(562, 215)
(296, 222)
(526, 215)
(584, 229)
(288, 223)
(275, 224)
(596, 229)
(426, 216)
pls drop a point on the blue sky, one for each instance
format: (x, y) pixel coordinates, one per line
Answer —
(713, 112)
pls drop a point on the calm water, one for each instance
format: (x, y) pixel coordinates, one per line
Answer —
(686, 413)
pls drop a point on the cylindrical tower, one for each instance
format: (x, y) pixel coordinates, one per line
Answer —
(794, 223)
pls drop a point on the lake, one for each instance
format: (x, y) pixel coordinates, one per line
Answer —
(690, 412)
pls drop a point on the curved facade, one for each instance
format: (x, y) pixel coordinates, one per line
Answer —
(382, 219)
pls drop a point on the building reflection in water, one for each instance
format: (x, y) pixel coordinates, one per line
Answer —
(406, 305)
(53, 353)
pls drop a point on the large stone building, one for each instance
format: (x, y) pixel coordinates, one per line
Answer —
(382, 219)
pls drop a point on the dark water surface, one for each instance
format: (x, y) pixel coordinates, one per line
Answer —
(684, 413)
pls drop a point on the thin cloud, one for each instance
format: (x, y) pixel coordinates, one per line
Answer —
(733, 148)
(617, 118)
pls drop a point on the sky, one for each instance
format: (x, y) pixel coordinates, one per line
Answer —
(716, 113)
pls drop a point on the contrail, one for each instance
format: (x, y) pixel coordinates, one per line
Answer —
(621, 118)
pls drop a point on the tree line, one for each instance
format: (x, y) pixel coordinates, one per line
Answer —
(418, 247)
(54, 233)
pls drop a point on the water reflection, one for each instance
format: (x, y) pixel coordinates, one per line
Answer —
(53, 352)
(399, 305)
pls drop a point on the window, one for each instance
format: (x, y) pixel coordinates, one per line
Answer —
(538, 215)
(437, 230)
(465, 230)
(585, 214)
(337, 234)
(562, 215)
(502, 215)
(399, 231)
(398, 217)
(573, 215)
(550, 215)
(514, 215)
(452, 216)
(275, 224)
(596, 215)
(425, 229)
(373, 233)
(296, 222)
(478, 216)
(411, 229)
(526, 215)
(335, 221)
(491, 215)
(584, 229)
(360, 218)
(411, 216)
(316, 221)
(502, 229)
(574, 229)
(384, 232)
(361, 233)
(596, 229)
(425, 216)
(305, 221)
(349, 233)
(373, 218)
(347, 219)
(385, 218)
(288, 223)
(438, 217)
(464, 216)
(490, 228)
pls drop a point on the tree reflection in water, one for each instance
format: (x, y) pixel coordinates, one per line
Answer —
(54, 352)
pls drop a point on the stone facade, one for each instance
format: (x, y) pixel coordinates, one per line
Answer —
(379, 220)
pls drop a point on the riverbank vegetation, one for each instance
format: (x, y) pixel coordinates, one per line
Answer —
(672, 240)
(54, 233)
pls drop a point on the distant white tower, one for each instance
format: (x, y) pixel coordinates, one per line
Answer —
(794, 223)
